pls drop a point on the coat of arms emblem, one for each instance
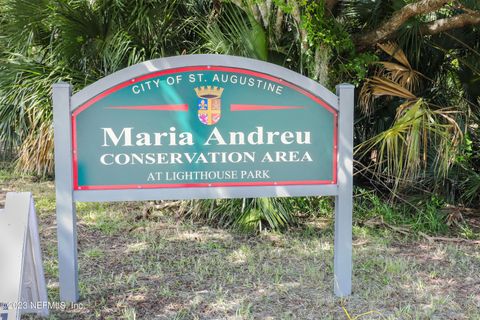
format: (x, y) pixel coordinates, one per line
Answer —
(209, 104)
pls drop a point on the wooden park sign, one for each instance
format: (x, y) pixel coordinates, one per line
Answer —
(197, 127)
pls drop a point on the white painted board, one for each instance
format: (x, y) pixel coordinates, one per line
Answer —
(22, 280)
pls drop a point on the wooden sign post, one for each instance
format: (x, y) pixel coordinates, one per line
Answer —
(198, 127)
(22, 281)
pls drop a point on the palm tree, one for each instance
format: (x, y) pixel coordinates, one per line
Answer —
(47, 41)
(422, 139)
(441, 65)
(80, 41)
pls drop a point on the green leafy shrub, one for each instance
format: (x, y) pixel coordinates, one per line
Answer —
(248, 214)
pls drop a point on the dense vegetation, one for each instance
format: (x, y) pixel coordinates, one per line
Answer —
(416, 65)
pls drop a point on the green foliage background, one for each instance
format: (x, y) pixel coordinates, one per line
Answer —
(80, 41)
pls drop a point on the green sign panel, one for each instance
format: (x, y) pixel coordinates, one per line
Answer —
(203, 126)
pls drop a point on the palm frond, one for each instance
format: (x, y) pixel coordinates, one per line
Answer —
(407, 78)
(419, 137)
(395, 52)
(37, 145)
(25, 23)
(471, 185)
(234, 33)
(377, 87)
(400, 72)
(78, 41)
(243, 214)
(392, 79)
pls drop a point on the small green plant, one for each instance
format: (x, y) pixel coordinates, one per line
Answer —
(423, 215)
(312, 206)
(94, 253)
(248, 214)
(129, 314)
(430, 219)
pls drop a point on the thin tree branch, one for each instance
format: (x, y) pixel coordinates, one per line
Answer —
(397, 20)
(298, 21)
(454, 22)
(279, 23)
(256, 13)
(265, 9)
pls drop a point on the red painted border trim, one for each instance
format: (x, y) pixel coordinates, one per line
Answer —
(161, 107)
(197, 68)
(255, 107)
(335, 147)
(124, 84)
(213, 184)
(74, 156)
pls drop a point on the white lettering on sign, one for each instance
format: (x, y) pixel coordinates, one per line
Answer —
(128, 138)
(208, 175)
(195, 77)
(174, 80)
(259, 137)
(248, 81)
(290, 156)
(145, 86)
(123, 159)
(216, 78)
(124, 138)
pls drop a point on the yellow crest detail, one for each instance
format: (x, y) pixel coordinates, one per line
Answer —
(209, 92)
(209, 104)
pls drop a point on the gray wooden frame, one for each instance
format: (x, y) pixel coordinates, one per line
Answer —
(64, 104)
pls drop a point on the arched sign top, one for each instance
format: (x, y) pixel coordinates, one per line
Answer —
(202, 127)
(187, 121)
(152, 68)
